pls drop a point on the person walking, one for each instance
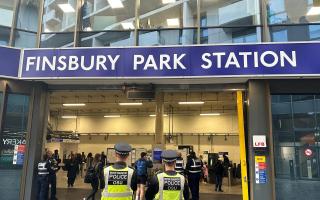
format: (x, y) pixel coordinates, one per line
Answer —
(205, 172)
(121, 181)
(89, 160)
(97, 169)
(168, 185)
(72, 168)
(103, 159)
(83, 161)
(43, 179)
(53, 169)
(219, 171)
(141, 167)
(194, 169)
(180, 164)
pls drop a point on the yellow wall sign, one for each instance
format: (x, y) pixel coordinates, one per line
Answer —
(260, 159)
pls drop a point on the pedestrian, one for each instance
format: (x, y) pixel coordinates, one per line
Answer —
(121, 181)
(43, 178)
(97, 176)
(219, 171)
(168, 185)
(53, 169)
(194, 169)
(72, 168)
(180, 164)
(89, 160)
(141, 167)
(83, 161)
(205, 171)
(56, 156)
(103, 159)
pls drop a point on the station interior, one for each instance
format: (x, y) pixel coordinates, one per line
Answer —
(93, 121)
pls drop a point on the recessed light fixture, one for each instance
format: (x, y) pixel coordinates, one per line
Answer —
(130, 104)
(73, 104)
(111, 116)
(168, 1)
(69, 117)
(173, 22)
(153, 115)
(66, 8)
(191, 103)
(127, 25)
(315, 10)
(210, 114)
(115, 3)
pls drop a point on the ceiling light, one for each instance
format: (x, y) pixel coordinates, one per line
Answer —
(168, 1)
(165, 115)
(111, 116)
(66, 8)
(191, 102)
(73, 104)
(69, 117)
(47, 30)
(210, 114)
(130, 104)
(314, 11)
(127, 25)
(115, 3)
(173, 22)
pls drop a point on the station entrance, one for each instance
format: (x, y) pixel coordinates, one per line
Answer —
(92, 121)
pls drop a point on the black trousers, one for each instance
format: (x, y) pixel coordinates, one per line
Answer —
(95, 188)
(71, 181)
(219, 182)
(193, 181)
(43, 187)
(53, 183)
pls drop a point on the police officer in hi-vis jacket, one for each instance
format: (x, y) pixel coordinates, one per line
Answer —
(168, 185)
(121, 180)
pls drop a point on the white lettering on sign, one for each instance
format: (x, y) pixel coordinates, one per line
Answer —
(259, 141)
(150, 63)
(14, 141)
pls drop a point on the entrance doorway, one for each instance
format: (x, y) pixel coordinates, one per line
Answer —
(93, 121)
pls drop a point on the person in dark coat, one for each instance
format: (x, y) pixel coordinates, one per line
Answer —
(98, 179)
(72, 168)
(219, 170)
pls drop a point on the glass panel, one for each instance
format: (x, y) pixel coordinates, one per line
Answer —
(229, 35)
(59, 15)
(25, 39)
(296, 134)
(12, 146)
(108, 15)
(4, 35)
(6, 12)
(168, 37)
(291, 11)
(108, 38)
(27, 16)
(156, 14)
(57, 40)
(295, 33)
(229, 12)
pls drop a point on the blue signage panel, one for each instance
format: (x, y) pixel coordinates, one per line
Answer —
(9, 62)
(167, 62)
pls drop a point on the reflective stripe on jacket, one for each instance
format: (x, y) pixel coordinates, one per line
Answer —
(118, 184)
(195, 167)
(170, 187)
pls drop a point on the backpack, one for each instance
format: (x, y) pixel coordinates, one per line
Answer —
(141, 166)
(90, 175)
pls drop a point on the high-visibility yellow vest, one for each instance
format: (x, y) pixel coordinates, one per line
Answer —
(170, 187)
(118, 184)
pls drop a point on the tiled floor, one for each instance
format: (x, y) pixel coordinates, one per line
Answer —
(81, 190)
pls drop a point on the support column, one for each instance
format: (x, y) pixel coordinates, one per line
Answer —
(259, 123)
(159, 137)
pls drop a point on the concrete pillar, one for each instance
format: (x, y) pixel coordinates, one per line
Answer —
(259, 123)
(159, 137)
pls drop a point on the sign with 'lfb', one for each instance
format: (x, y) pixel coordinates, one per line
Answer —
(260, 169)
(237, 60)
(259, 141)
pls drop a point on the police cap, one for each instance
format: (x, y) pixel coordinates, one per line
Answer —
(122, 148)
(169, 155)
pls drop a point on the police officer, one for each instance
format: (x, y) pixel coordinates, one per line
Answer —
(194, 168)
(43, 178)
(168, 185)
(179, 164)
(120, 180)
(53, 168)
